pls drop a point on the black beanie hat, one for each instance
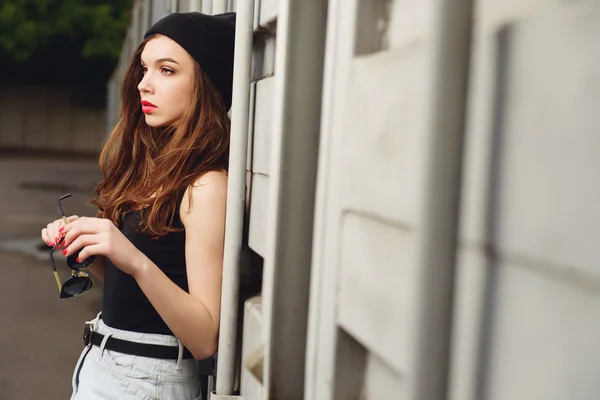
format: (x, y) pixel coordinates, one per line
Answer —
(209, 39)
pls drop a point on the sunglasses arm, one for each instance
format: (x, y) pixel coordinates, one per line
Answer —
(62, 212)
(58, 282)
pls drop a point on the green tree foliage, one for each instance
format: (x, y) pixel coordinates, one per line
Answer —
(61, 41)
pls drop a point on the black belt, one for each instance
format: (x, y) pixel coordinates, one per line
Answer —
(133, 348)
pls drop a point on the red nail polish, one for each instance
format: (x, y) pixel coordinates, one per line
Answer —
(65, 252)
(77, 259)
(61, 229)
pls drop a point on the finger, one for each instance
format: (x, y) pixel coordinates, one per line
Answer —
(61, 227)
(69, 220)
(58, 225)
(75, 222)
(49, 234)
(52, 232)
(81, 241)
(82, 226)
(45, 237)
(88, 251)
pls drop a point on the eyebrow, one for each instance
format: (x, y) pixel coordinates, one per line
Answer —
(167, 59)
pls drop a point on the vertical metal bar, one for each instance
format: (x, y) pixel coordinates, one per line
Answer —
(447, 97)
(219, 6)
(321, 338)
(292, 181)
(149, 13)
(195, 5)
(135, 23)
(235, 198)
(207, 7)
(145, 22)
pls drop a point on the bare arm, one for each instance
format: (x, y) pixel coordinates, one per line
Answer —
(194, 317)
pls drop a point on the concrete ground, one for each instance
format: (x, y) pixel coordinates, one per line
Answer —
(40, 334)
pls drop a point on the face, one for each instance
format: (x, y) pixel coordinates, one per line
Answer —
(167, 85)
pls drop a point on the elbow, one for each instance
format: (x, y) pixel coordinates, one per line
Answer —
(205, 350)
(207, 343)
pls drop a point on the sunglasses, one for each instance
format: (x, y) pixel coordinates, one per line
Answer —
(79, 282)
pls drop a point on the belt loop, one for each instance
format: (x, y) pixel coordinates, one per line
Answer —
(103, 344)
(180, 355)
(96, 321)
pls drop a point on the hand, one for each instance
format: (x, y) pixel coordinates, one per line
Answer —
(98, 236)
(51, 234)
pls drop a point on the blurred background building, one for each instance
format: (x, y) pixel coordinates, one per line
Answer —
(56, 58)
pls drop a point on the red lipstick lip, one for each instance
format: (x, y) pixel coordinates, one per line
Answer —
(148, 104)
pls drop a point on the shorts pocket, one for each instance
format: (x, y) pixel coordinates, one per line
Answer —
(135, 376)
(184, 389)
(186, 373)
(133, 366)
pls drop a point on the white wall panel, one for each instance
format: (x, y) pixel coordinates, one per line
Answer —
(527, 297)
(258, 209)
(268, 11)
(375, 291)
(263, 121)
(384, 135)
(543, 338)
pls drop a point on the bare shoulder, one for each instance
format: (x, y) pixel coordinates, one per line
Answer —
(208, 195)
(214, 179)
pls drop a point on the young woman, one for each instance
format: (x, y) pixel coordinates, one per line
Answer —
(159, 232)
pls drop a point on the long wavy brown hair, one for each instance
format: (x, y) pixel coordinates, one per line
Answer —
(149, 168)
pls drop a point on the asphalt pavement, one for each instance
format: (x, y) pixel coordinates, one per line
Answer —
(40, 334)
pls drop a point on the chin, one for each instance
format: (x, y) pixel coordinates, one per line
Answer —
(156, 122)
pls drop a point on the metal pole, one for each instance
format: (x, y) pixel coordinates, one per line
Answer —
(220, 6)
(297, 98)
(447, 96)
(207, 7)
(195, 5)
(235, 198)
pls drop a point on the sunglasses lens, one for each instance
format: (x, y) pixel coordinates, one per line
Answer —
(73, 264)
(77, 285)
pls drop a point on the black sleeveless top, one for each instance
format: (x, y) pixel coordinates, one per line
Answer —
(124, 304)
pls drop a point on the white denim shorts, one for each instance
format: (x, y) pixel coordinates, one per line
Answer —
(104, 374)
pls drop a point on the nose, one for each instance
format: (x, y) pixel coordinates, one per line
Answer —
(144, 85)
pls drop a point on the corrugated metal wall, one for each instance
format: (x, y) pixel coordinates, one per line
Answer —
(528, 290)
(526, 312)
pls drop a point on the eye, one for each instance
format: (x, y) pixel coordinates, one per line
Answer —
(167, 71)
(144, 69)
